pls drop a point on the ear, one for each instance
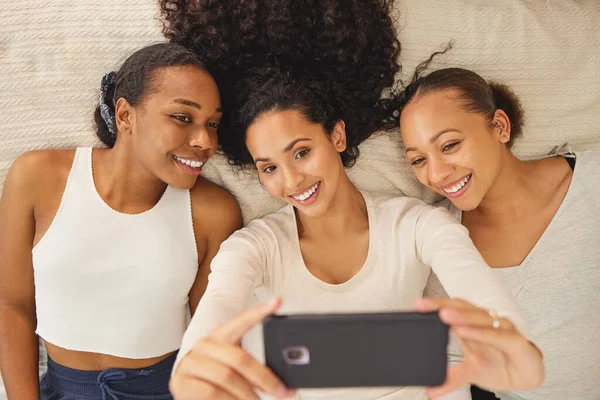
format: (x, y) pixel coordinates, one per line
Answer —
(502, 126)
(338, 136)
(124, 116)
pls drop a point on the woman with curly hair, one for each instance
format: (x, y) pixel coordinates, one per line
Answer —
(297, 115)
(537, 222)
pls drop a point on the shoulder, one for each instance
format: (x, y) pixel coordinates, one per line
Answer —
(553, 176)
(213, 198)
(42, 163)
(447, 204)
(214, 207)
(36, 171)
(584, 186)
(269, 232)
(274, 226)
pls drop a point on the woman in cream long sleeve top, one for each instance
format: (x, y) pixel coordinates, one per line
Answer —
(336, 249)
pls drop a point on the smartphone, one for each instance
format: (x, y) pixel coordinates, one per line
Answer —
(357, 350)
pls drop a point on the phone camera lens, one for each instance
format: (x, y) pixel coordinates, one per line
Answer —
(296, 355)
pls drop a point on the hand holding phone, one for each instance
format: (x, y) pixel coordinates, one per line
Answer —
(496, 355)
(217, 367)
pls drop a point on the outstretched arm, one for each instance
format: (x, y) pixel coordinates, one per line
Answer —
(211, 364)
(481, 313)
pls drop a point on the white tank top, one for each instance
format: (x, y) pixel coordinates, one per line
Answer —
(114, 283)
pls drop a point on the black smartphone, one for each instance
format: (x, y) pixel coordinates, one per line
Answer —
(357, 350)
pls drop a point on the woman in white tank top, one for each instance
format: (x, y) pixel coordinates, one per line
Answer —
(104, 252)
(537, 223)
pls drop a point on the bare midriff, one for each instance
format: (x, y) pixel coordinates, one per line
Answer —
(85, 361)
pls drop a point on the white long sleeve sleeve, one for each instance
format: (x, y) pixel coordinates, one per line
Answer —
(445, 245)
(237, 269)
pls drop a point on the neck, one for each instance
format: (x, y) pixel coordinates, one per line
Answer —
(123, 183)
(514, 188)
(347, 213)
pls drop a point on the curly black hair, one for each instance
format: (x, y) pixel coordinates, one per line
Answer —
(476, 95)
(330, 59)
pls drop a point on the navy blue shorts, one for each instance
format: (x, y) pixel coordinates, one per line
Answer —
(151, 383)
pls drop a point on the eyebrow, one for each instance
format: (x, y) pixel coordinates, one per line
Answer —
(287, 148)
(433, 138)
(194, 104)
(187, 103)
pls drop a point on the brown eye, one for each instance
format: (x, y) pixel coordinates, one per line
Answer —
(449, 146)
(417, 161)
(182, 118)
(301, 154)
(269, 169)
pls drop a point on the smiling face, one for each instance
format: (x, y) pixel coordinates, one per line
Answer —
(454, 152)
(173, 131)
(297, 160)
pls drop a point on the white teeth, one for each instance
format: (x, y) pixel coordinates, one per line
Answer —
(191, 163)
(307, 194)
(458, 186)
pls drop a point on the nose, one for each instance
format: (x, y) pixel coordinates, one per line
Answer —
(293, 178)
(438, 170)
(203, 139)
